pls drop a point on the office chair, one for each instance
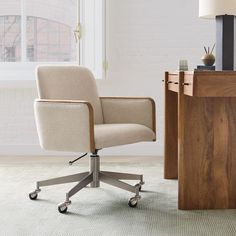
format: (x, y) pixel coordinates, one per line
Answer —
(70, 116)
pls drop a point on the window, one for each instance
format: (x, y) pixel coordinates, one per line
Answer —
(38, 31)
(34, 32)
(10, 41)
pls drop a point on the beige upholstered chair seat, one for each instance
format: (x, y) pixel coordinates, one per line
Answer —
(108, 135)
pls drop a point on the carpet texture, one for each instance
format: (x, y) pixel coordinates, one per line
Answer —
(101, 211)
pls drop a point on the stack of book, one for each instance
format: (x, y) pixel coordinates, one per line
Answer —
(206, 68)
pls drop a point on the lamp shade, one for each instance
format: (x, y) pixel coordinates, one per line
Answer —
(213, 8)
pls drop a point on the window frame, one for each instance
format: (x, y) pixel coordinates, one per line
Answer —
(11, 71)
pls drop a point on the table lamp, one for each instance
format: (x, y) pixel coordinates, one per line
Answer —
(224, 12)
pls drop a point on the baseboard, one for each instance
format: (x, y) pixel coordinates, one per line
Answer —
(148, 149)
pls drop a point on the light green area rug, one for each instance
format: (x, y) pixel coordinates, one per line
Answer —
(102, 211)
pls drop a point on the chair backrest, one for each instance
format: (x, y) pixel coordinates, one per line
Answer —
(69, 83)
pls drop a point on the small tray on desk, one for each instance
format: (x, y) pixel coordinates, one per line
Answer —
(206, 68)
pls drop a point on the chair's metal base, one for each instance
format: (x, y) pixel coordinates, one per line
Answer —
(93, 178)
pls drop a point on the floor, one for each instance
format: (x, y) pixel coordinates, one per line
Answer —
(101, 211)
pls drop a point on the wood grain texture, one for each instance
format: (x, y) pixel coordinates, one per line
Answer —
(173, 82)
(207, 162)
(188, 84)
(206, 133)
(171, 133)
(181, 143)
(213, 84)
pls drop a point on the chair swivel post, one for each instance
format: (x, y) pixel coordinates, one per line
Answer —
(95, 169)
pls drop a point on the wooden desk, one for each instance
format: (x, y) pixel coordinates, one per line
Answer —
(200, 138)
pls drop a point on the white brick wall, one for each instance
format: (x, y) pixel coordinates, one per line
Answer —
(145, 38)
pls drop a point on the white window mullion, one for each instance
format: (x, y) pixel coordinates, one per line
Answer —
(92, 43)
(98, 37)
(88, 33)
(23, 31)
(79, 23)
(81, 44)
(104, 40)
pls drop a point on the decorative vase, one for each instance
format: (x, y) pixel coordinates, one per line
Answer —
(208, 59)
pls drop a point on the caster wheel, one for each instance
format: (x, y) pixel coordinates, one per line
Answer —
(33, 195)
(62, 208)
(133, 202)
(139, 186)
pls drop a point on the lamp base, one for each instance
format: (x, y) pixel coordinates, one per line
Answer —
(225, 42)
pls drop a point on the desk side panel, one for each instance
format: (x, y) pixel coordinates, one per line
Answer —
(171, 133)
(207, 160)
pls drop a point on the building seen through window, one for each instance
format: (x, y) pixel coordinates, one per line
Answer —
(47, 34)
(10, 38)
